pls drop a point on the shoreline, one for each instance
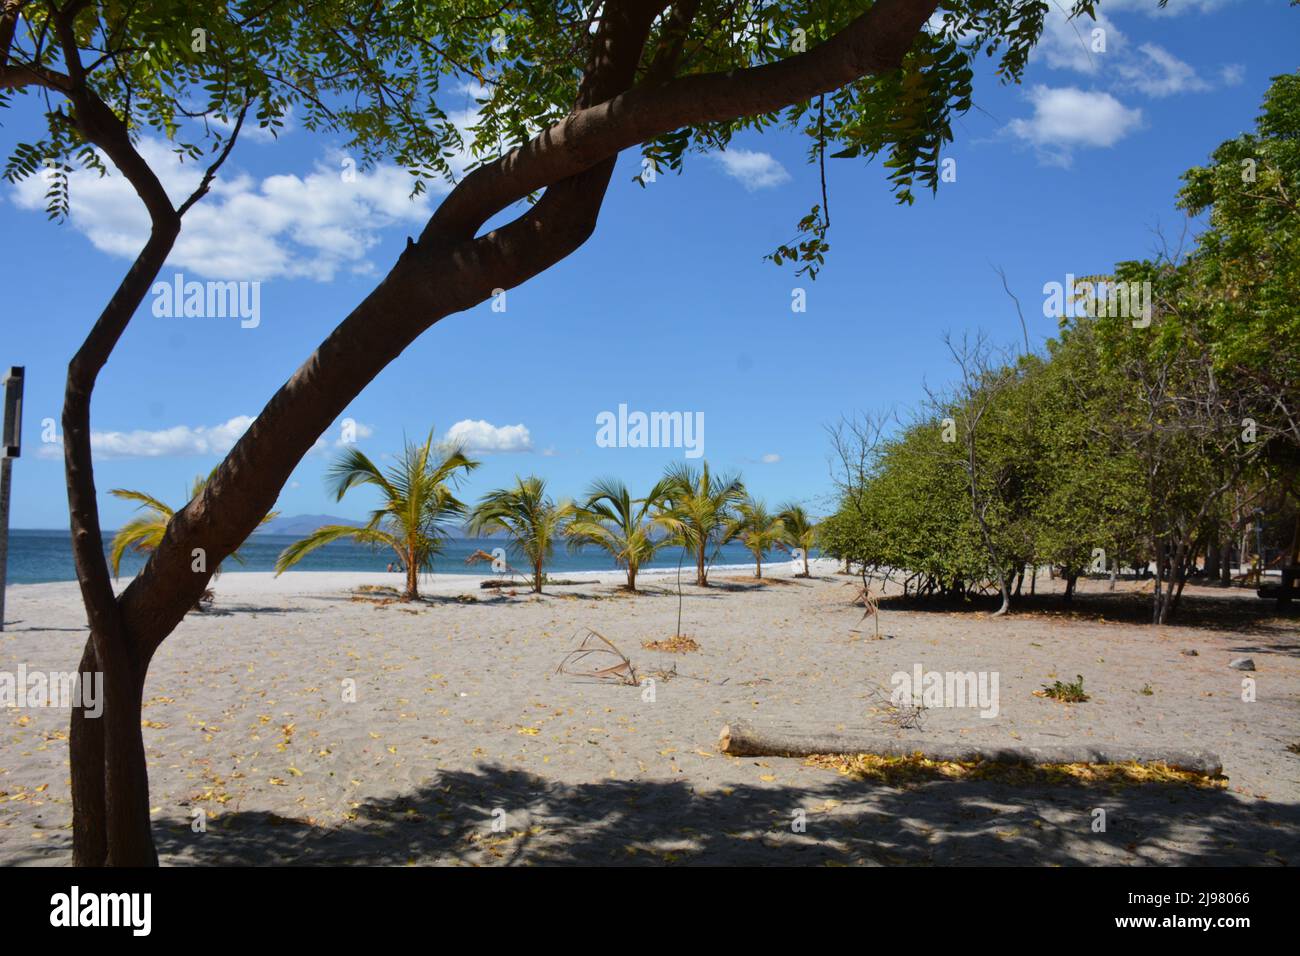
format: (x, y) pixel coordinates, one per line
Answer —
(235, 584)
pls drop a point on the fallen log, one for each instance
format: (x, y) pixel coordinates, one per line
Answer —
(742, 739)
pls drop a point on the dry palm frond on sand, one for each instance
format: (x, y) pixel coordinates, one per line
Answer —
(596, 658)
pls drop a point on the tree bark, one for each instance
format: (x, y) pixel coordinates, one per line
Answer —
(743, 739)
(86, 759)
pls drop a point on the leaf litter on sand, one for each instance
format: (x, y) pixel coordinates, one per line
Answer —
(917, 769)
(677, 644)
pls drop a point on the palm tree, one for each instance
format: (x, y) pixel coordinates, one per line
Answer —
(800, 531)
(697, 508)
(756, 528)
(143, 534)
(611, 519)
(417, 507)
(530, 519)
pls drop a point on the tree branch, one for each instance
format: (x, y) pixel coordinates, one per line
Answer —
(875, 42)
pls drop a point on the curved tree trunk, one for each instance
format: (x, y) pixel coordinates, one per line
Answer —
(110, 791)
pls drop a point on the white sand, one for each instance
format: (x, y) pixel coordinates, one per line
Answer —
(460, 720)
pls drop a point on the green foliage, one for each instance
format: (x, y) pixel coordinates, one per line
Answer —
(1071, 693)
(1137, 437)
(1247, 262)
(529, 518)
(798, 531)
(624, 526)
(697, 506)
(1086, 490)
(758, 529)
(417, 510)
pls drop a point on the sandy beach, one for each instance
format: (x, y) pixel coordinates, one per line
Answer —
(310, 723)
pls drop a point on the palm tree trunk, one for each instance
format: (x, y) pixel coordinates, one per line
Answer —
(805, 564)
(701, 576)
(758, 566)
(412, 580)
(631, 577)
(537, 577)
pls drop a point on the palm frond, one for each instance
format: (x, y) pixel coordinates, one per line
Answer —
(143, 500)
(328, 534)
(143, 534)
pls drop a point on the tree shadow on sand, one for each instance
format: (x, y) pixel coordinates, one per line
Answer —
(1244, 614)
(449, 820)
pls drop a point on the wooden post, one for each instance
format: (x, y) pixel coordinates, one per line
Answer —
(11, 440)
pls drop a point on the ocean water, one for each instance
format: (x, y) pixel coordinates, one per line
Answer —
(36, 557)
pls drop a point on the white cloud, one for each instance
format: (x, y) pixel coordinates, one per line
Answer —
(281, 226)
(1067, 117)
(1173, 9)
(771, 458)
(1099, 49)
(1157, 72)
(1234, 74)
(1068, 43)
(485, 438)
(754, 170)
(183, 441)
(176, 442)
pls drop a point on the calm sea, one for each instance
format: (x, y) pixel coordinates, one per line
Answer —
(36, 557)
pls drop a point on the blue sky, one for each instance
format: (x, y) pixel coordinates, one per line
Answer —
(669, 307)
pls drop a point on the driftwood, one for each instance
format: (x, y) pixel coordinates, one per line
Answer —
(743, 739)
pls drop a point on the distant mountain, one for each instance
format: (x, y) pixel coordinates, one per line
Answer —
(303, 524)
